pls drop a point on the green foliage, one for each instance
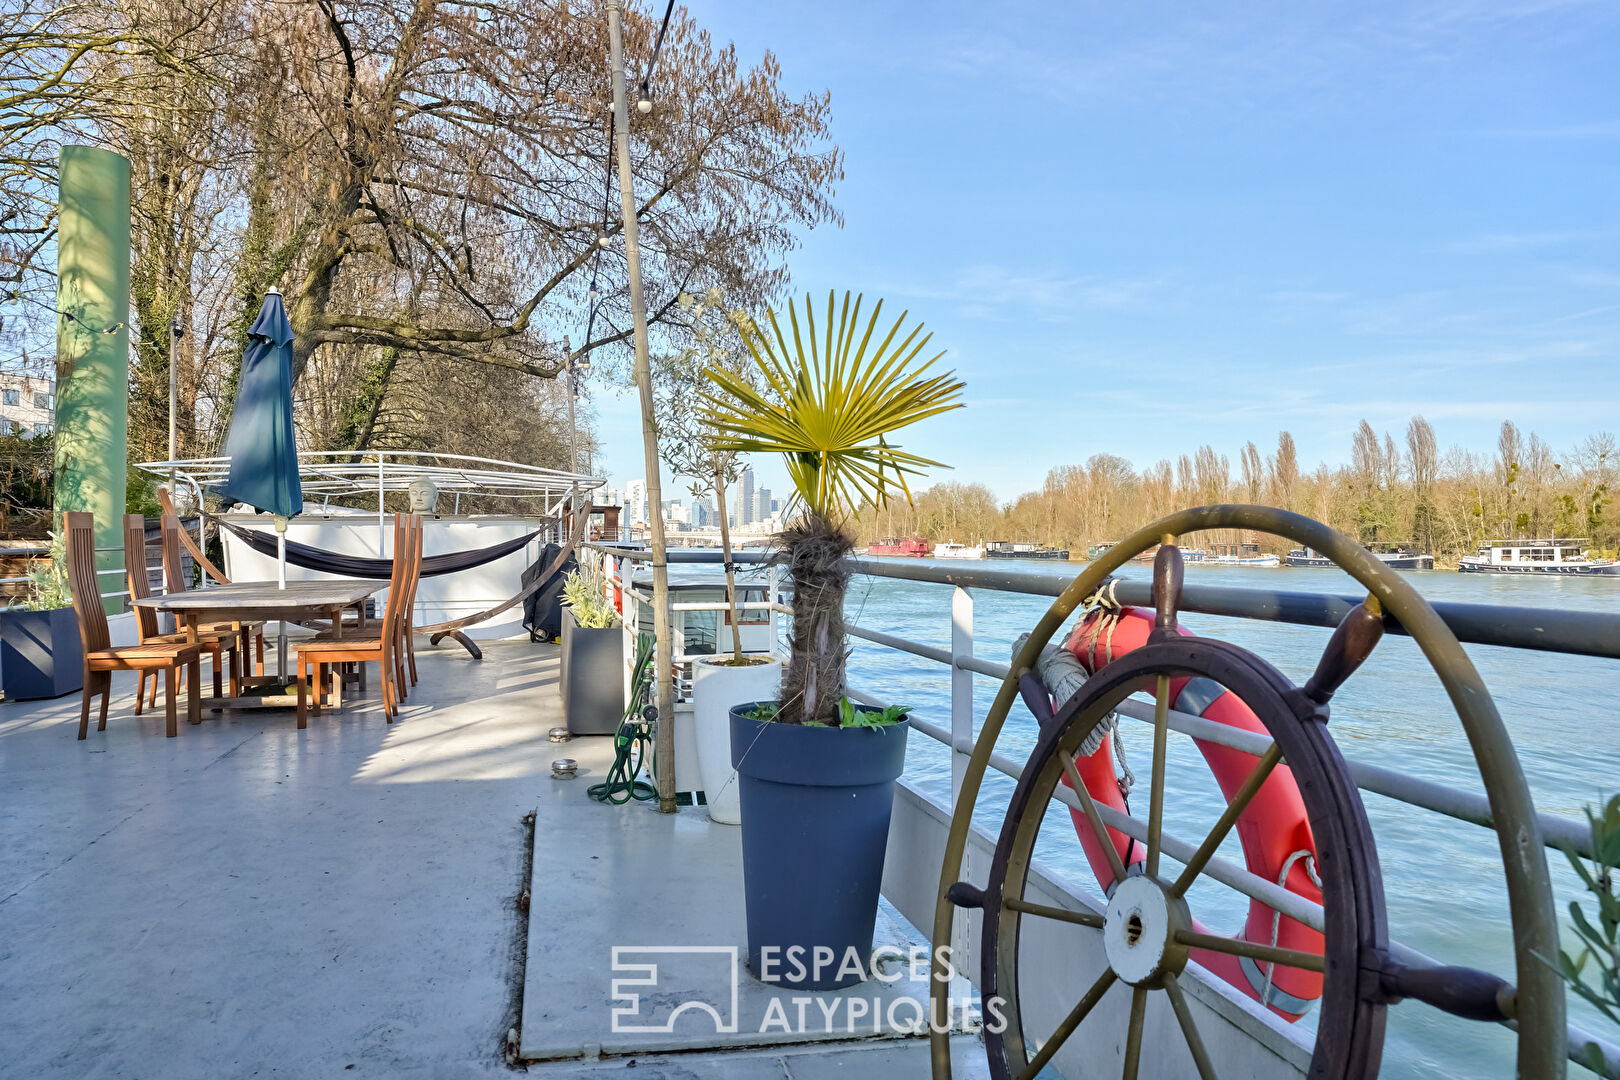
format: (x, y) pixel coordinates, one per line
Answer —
(48, 584)
(1599, 939)
(850, 715)
(584, 593)
(828, 404)
(679, 382)
(140, 494)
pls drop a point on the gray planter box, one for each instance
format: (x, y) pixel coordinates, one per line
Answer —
(592, 677)
(40, 654)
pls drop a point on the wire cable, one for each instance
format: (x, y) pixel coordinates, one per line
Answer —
(646, 80)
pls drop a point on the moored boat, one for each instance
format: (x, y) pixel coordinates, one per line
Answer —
(912, 548)
(1564, 556)
(1238, 555)
(953, 550)
(1006, 549)
(1398, 559)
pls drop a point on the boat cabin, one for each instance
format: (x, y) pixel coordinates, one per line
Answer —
(701, 621)
(1519, 552)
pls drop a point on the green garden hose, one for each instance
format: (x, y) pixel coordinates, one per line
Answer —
(633, 742)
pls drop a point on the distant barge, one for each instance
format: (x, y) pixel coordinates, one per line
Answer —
(1006, 549)
(1536, 557)
(1399, 559)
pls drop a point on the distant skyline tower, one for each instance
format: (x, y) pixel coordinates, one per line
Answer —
(635, 500)
(745, 505)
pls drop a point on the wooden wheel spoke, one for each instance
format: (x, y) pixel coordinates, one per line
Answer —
(1081, 1009)
(1133, 1036)
(1255, 950)
(1189, 1030)
(1098, 829)
(1078, 918)
(1161, 731)
(1240, 802)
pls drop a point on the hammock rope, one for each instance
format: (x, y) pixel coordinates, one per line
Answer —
(438, 631)
(311, 557)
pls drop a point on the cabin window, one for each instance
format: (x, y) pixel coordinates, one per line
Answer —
(749, 616)
(701, 636)
(1541, 554)
(1507, 554)
(1572, 554)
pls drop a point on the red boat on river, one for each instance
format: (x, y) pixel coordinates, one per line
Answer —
(915, 547)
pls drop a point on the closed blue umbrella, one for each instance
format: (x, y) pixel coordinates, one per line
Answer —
(261, 441)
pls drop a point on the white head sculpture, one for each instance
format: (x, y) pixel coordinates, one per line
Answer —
(424, 495)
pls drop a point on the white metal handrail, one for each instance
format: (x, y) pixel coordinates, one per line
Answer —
(959, 739)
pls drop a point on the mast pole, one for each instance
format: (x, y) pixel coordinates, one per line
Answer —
(664, 745)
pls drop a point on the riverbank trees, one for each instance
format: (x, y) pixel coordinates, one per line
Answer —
(426, 183)
(1392, 491)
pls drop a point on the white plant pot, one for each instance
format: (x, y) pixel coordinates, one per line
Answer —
(715, 689)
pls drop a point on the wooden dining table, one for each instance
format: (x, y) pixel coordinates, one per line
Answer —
(264, 601)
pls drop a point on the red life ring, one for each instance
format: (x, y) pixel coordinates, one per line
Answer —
(611, 590)
(1274, 829)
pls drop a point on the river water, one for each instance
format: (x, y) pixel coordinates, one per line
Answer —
(1443, 878)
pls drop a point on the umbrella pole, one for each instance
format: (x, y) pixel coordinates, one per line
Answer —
(281, 583)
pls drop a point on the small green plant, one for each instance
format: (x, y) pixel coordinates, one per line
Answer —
(850, 715)
(48, 583)
(1600, 942)
(585, 594)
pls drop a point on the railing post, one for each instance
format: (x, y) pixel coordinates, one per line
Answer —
(961, 687)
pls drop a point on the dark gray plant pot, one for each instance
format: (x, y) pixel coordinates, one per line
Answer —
(40, 653)
(592, 677)
(815, 824)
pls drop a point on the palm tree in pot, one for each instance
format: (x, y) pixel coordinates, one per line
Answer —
(816, 771)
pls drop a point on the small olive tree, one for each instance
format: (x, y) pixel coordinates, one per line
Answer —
(684, 435)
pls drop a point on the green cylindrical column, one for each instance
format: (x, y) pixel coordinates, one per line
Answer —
(92, 347)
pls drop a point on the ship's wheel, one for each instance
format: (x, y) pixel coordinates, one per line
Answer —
(1128, 1002)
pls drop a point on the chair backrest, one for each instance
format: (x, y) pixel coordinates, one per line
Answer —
(413, 570)
(83, 583)
(174, 566)
(140, 581)
(397, 599)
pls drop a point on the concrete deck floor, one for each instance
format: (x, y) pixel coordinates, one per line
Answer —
(252, 900)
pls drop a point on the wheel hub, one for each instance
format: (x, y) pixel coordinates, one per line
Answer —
(1139, 930)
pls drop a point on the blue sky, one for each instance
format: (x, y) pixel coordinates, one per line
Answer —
(1139, 228)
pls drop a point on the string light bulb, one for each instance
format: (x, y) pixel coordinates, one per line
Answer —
(644, 106)
(604, 242)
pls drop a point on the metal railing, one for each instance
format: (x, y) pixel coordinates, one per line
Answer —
(1594, 634)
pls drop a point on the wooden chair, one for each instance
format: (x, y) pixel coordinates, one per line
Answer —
(250, 634)
(101, 659)
(313, 658)
(219, 645)
(359, 626)
(407, 621)
(404, 650)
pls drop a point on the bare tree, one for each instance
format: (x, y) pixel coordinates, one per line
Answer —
(1254, 471)
(1422, 457)
(1285, 471)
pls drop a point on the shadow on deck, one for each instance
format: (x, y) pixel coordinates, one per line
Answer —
(250, 899)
